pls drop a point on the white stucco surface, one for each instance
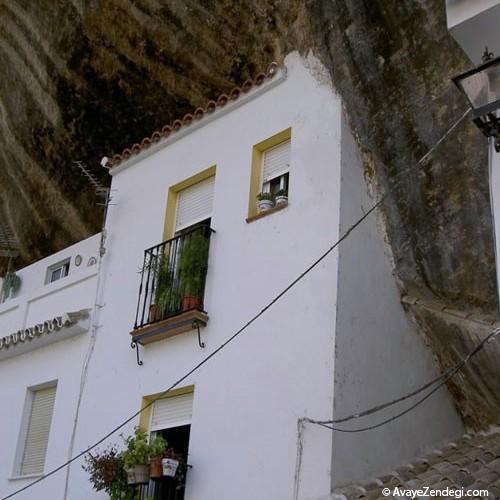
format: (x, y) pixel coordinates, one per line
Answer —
(60, 361)
(248, 398)
(379, 354)
(474, 25)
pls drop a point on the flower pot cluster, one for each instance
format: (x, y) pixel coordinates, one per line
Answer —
(118, 473)
(179, 287)
(266, 201)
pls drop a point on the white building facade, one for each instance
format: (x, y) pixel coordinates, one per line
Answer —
(337, 342)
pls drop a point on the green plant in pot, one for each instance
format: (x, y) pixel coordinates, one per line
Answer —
(166, 296)
(192, 269)
(137, 455)
(266, 201)
(107, 474)
(281, 197)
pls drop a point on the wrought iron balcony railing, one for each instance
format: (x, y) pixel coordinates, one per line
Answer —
(173, 277)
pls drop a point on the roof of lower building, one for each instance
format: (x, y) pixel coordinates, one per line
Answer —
(472, 463)
(189, 118)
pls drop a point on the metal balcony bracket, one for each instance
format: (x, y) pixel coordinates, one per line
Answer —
(196, 325)
(135, 345)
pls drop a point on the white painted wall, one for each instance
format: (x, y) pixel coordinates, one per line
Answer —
(36, 301)
(247, 400)
(474, 25)
(60, 361)
(379, 354)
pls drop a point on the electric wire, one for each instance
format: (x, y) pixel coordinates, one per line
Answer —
(450, 374)
(374, 207)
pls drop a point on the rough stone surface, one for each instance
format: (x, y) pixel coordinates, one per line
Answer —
(82, 78)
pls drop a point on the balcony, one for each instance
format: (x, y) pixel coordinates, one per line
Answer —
(172, 287)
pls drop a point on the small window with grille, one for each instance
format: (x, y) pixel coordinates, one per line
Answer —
(57, 271)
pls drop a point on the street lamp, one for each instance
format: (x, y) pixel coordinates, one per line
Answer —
(481, 86)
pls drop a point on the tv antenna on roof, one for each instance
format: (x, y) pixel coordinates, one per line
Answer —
(102, 191)
(9, 246)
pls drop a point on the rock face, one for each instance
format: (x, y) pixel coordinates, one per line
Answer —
(84, 78)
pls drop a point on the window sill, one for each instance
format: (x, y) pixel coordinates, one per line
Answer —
(26, 476)
(265, 213)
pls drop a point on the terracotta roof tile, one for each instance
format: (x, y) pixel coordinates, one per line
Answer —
(198, 114)
(472, 462)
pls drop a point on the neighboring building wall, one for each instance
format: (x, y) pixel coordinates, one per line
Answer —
(60, 361)
(248, 398)
(474, 25)
(379, 354)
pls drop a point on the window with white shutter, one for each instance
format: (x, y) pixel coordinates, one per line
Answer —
(37, 432)
(194, 203)
(275, 172)
(172, 412)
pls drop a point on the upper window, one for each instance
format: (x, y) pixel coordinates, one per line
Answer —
(270, 176)
(57, 271)
(275, 168)
(35, 431)
(194, 204)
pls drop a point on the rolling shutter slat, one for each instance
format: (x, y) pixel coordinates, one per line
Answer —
(276, 161)
(172, 412)
(37, 436)
(194, 203)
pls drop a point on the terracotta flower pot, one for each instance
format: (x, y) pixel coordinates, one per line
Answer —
(154, 313)
(189, 302)
(155, 468)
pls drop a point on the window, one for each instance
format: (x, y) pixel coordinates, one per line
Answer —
(275, 168)
(57, 271)
(194, 204)
(170, 418)
(35, 430)
(270, 174)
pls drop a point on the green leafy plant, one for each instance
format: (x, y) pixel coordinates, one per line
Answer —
(139, 451)
(107, 474)
(193, 263)
(10, 284)
(166, 295)
(265, 196)
(281, 192)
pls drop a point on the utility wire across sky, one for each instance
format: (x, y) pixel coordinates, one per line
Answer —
(254, 318)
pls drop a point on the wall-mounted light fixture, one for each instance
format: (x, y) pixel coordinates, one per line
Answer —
(481, 86)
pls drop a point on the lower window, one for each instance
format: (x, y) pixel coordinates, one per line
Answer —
(171, 419)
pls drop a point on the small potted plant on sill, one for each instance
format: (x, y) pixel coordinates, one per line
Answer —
(192, 270)
(174, 467)
(281, 198)
(266, 201)
(137, 456)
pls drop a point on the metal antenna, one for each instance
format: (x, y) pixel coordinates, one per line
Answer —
(99, 188)
(102, 191)
(8, 242)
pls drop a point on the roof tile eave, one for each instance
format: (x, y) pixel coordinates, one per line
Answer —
(198, 114)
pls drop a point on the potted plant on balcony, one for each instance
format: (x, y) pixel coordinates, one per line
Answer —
(166, 297)
(107, 474)
(192, 270)
(137, 455)
(266, 201)
(281, 198)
